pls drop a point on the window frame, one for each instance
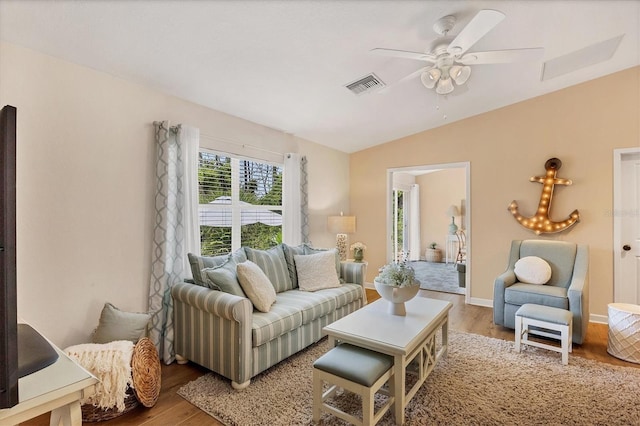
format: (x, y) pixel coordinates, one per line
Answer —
(235, 207)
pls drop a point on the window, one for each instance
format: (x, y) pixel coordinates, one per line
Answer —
(240, 203)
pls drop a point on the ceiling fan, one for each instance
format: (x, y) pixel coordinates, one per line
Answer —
(449, 58)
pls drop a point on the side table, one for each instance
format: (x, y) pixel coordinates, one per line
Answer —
(451, 249)
(57, 388)
(624, 331)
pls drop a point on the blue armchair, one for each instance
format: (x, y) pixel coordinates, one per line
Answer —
(568, 287)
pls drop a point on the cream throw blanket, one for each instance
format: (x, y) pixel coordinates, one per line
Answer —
(111, 364)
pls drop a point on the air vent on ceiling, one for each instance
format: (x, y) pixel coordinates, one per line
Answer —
(365, 84)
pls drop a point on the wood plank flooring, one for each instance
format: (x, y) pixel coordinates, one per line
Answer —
(172, 409)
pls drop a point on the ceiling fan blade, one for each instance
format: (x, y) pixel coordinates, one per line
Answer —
(480, 25)
(403, 79)
(404, 54)
(502, 56)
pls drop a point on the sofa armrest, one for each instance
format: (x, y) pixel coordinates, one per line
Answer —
(224, 305)
(504, 280)
(578, 294)
(353, 272)
(213, 329)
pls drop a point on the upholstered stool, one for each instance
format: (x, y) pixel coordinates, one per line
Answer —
(545, 319)
(355, 369)
(624, 331)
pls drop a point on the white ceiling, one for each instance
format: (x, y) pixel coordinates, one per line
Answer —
(284, 64)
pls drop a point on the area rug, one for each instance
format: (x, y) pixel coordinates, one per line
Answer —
(481, 382)
(437, 276)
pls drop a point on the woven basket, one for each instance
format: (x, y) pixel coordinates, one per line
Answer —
(91, 413)
(145, 372)
(433, 255)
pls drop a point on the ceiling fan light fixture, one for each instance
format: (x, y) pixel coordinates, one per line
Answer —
(460, 74)
(444, 86)
(430, 77)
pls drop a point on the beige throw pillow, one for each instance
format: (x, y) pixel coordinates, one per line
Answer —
(316, 271)
(256, 285)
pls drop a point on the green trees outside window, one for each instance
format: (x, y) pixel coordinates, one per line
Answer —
(240, 203)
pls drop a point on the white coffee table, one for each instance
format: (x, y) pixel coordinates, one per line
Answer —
(404, 337)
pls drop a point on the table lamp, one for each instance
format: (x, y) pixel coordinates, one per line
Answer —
(341, 226)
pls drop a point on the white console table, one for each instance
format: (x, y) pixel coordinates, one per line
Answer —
(57, 388)
(451, 250)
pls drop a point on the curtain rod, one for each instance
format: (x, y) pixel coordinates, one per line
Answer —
(224, 140)
(240, 144)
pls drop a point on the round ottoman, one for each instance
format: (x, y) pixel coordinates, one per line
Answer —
(624, 331)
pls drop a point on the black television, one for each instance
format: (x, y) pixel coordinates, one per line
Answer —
(22, 349)
(8, 295)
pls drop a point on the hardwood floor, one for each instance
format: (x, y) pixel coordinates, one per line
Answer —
(171, 409)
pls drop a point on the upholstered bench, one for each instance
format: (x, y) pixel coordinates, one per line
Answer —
(355, 369)
(547, 320)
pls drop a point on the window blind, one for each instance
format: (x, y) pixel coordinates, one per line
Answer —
(240, 203)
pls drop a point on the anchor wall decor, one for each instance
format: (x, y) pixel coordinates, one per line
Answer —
(541, 222)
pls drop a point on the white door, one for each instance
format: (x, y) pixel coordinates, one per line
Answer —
(626, 214)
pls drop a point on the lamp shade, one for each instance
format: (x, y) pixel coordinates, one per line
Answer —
(342, 224)
(460, 74)
(430, 77)
(444, 86)
(453, 211)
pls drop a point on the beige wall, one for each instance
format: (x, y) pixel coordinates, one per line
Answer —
(581, 125)
(438, 191)
(85, 185)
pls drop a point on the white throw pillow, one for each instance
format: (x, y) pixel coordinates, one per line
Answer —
(533, 270)
(316, 271)
(256, 285)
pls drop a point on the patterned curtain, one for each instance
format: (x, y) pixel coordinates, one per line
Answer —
(175, 226)
(296, 227)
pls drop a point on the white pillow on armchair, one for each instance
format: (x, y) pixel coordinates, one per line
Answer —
(532, 270)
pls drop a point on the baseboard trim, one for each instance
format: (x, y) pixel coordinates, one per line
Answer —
(487, 303)
(599, 319)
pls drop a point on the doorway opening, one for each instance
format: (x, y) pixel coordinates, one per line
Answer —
(626, 225)
(400, 242)
(420, 200)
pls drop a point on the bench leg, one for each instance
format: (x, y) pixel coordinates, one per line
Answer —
(317, 396)
(518, 333)
(565, 342)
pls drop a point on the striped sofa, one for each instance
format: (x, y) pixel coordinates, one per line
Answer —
(222, 331)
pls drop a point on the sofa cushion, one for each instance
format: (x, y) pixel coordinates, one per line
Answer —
(273, 264)
(312, 305)
(520, 293)
(316, 271)
(224, 278)
(198, 263)
(312, 250)
(115, 324)
(560, 255)
(281, 319)
(256, 285)
(343, 295)
(289, 252)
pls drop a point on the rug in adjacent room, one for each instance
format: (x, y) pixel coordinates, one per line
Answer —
(437, 276)
(481, 382)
